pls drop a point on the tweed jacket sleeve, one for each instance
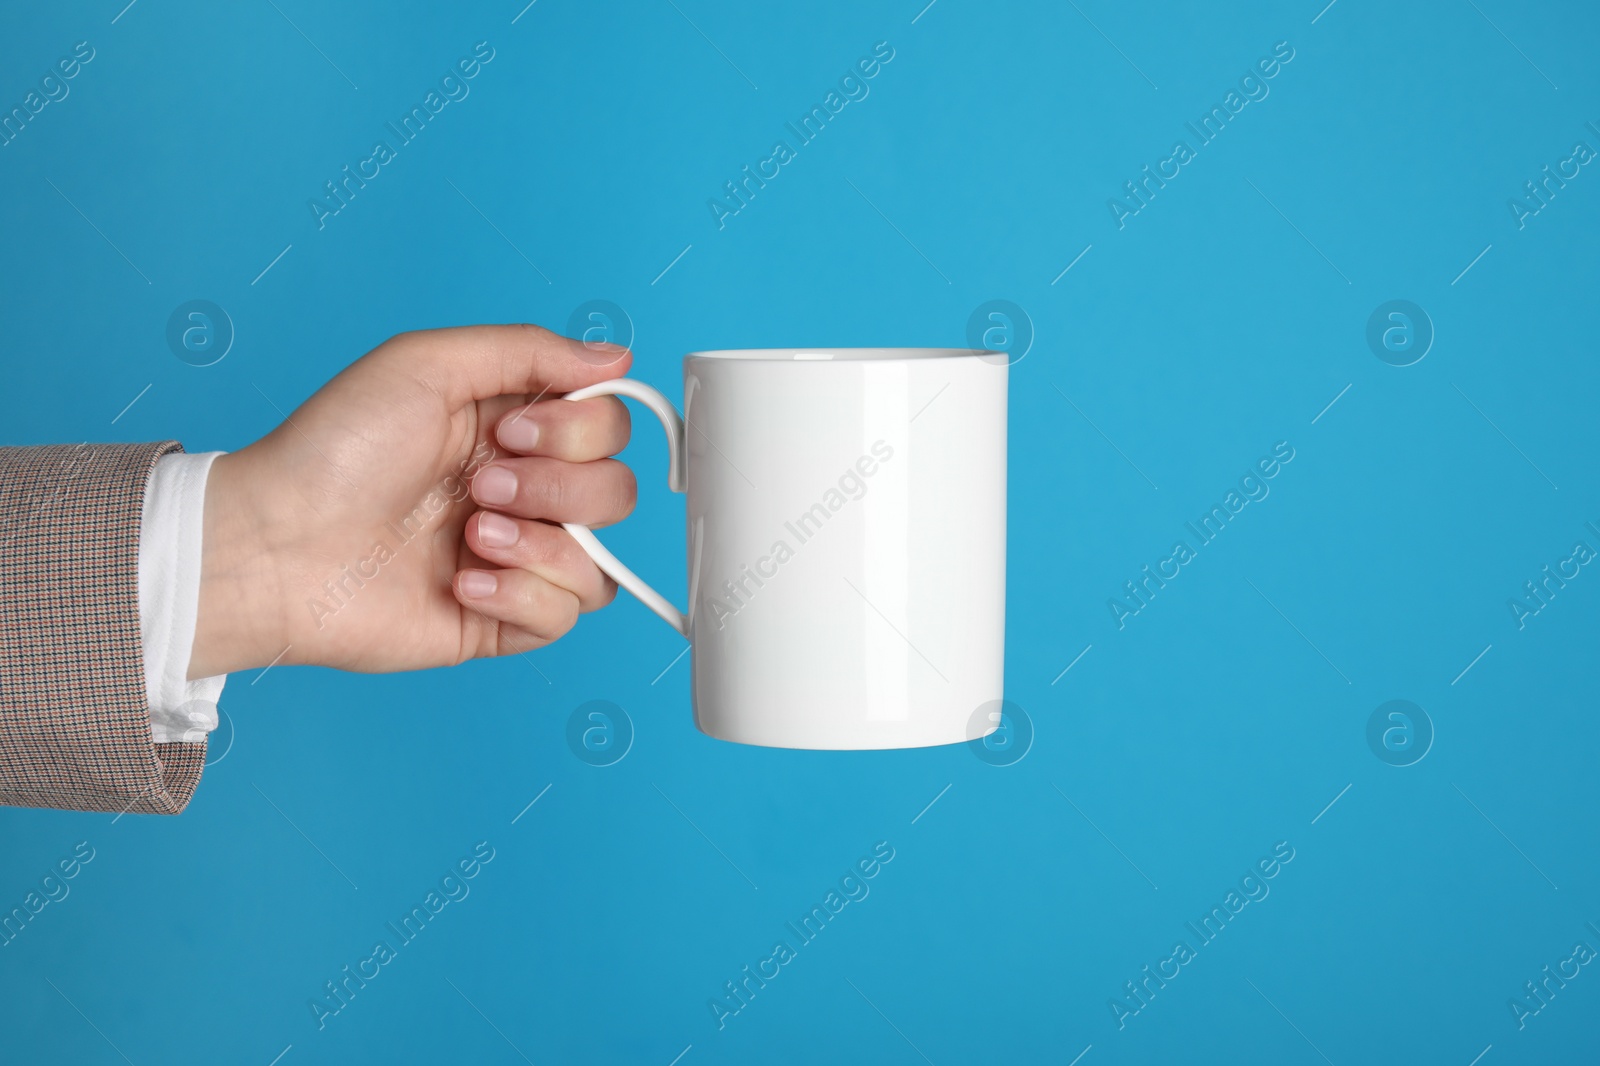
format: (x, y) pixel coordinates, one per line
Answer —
(74, 713)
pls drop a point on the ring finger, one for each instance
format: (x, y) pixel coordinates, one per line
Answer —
(594, 494)
(543, 549)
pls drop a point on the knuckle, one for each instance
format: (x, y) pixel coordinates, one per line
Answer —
(595, 427)
(543, 609)
(575, 425)
(559, 613)
(624, 489)
(622, 421)
(566, 555)
(539, 548)
(548, 491)
(400, 347)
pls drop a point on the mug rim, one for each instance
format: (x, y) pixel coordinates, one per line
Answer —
(825, 354)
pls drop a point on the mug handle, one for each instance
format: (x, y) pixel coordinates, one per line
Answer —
(613, 567)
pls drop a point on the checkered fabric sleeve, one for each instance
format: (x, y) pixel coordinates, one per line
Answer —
(74, 714)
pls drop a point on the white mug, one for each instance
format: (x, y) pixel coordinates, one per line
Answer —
(846, 542)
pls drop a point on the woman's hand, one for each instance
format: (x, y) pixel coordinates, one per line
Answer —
(405, 516)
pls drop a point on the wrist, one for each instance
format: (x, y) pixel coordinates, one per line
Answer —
(239, 622)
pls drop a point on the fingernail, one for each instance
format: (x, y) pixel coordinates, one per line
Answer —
(478, 584)
(496, 530)
(519, 433)
(495, 484)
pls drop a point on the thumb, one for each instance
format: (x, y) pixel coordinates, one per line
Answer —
(468, 363)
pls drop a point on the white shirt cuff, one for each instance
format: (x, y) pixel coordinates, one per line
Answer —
(181, 711)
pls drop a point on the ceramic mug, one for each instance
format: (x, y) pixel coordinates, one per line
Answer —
(846, 542)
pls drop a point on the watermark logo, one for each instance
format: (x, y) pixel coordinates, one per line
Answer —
(454, 86)
(798, 932)
(53, 888)
(1400, 733)
(1140, 191)
(737, 593)
(221, 739)
(601, 328)
(339, 591)
(1539, 994)
(1252, 887)
(1002, 329)
(1536, 596)
(1012, 735)
(452, 887)
(1536, 196)
(53, 89)
(599, 733)
(1252, 487)
(199, 332)
(853, 86)
(1399, 332)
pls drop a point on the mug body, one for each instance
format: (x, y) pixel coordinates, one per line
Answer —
(847, 520)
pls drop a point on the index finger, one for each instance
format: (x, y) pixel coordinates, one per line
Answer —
(466, 363)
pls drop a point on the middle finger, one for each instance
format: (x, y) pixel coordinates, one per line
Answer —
(594, 494)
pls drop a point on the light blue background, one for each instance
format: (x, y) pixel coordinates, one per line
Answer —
(1174, 753)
